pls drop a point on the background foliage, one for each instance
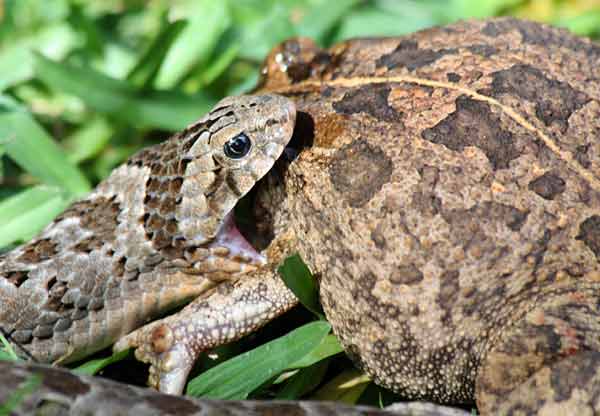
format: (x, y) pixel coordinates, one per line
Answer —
(84, 83)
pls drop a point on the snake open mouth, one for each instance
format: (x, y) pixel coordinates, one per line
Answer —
(255, 213)
(230, 237)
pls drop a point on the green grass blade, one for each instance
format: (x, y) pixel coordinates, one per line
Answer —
(25, 214)
(298, 278)
(26, 142)
(148, 66)
(321, 19)
(89, 140)
(239, 376)
(207, 21)
(586, 24)
(346, 387)
(94, 366)
(329, 347)
(302, 382)
(7, 353)
(170, 111)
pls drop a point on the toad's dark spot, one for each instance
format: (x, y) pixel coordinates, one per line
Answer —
(483, 50)
(541, 35)
(589, 233)
(453, 77)
(554, 100)
(448, 294)
(408, 55)
(358, 171)
(581, 155)
(574, 373)
(548, 186)
(473, 124)
(406, 275)
(427, 203)
(369, 99)
(378, 237)
(466, 221)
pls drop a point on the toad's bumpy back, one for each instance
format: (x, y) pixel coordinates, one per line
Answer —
(451, 204)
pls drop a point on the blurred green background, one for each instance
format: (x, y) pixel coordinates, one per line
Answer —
(84, 83)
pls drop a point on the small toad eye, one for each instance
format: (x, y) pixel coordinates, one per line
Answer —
(237, 147)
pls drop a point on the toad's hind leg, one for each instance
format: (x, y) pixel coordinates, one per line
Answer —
(172, 345)
(548, 362)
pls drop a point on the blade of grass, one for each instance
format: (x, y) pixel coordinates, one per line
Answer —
(346, 387)
(145, 71)
(239, 376)
(26, 142)
(302, 382)
(89, 140)
(7, 352)
(207, 21)
(329, 347)
(298, 278)
(170, 111)
(25, 214)
(94, 366)
(322, 18)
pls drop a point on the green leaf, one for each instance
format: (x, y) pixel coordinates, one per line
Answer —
(7, 353)
(33, 149)
(321, 19)
(346, 387)
(170, 111)
(586, 24)
(148, 66)
(94, 366)
(239, 376)
(25, 214)
(371, 21)
(329, 347)
(302, 382)
(260, 35)
(207, 21)
(464, 9)
(298, 278)
(89, 140)
(16, 57)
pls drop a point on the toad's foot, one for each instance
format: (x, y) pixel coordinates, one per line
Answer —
(173, 344)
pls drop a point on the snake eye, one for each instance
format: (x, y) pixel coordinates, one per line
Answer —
(237, 147)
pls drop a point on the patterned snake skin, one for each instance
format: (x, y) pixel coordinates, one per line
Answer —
(57, 391)
(158, 232)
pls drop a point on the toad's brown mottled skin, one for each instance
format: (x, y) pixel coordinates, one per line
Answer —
(447, 194)
(449, 200)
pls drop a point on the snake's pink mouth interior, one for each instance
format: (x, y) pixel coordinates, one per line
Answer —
(230, 236)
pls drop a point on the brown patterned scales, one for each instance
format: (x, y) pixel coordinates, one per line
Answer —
(158, 232)
(448, 196)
